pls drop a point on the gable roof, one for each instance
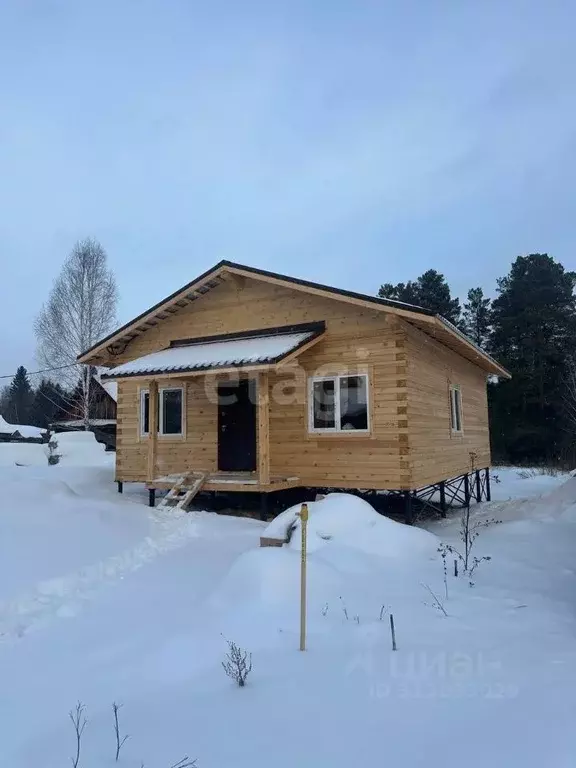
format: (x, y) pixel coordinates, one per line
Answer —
(425, 319)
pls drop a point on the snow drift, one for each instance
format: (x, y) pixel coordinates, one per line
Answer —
(81, 449)
(22, 454)
(347, 520)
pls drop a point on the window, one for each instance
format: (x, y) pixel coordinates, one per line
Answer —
(144, 411)
(339, 404)
(170, 411)
(455, 409)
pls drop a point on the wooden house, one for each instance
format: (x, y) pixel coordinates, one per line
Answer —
(248, 380)
(103, 395)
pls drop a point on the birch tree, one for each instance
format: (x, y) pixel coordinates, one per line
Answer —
(80, 310)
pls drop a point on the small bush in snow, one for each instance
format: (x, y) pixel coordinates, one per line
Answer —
(238, 664)
(53, 457)
(436, 602)
(526, 474)
(443, 553)
(469, 532)
(475, 563)
(79, 722)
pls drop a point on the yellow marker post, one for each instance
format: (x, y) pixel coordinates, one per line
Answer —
(303, 515)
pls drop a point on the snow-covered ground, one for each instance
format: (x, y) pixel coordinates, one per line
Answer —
(106, 600)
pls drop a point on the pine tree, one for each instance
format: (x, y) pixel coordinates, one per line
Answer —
(406, 292)
(476, 317)
(20, 398)
(50, 404)
(533, 335)
(5, 401)
(430, 291)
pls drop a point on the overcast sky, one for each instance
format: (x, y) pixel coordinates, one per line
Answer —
(352, 142)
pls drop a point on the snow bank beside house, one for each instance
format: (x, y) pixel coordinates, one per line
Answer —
(23, 429)
(82, 449)
(23, 454)
(79, 449)
(347, 520)
(522, 482)
(268, 577)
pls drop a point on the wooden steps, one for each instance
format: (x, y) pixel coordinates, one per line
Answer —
(183, 491)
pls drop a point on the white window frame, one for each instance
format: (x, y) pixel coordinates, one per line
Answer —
(337, 415)
(143, 393)
(456, 425)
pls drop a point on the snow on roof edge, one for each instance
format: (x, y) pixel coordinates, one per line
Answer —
(255, 350)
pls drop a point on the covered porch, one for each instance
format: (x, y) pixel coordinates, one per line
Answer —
(231, 481)
(204, 410)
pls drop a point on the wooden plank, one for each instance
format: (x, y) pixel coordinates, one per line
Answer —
(188, 497)
(263, 428)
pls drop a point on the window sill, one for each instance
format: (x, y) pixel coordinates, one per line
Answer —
(344, 434)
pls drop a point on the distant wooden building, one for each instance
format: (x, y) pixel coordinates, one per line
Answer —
(102, 413)
(256, 381)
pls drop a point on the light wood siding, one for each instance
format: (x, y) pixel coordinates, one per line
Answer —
(195, 450)
(356, 340)
(251, 304)
(348, 460)
(436, 453)
(409, 444)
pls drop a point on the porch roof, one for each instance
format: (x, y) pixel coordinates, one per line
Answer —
(266, 346)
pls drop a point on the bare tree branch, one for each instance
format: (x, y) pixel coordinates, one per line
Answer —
(79, 722)
(120, 741)
(81, 309)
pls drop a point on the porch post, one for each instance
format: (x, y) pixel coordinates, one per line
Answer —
(263, 428)
(443, 498)
(152, 429)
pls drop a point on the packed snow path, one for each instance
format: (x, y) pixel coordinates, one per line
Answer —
(62, 597)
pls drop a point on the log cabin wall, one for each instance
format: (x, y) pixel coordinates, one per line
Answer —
(196, 449)
(345, 459)
(436, 452)
(410, 443)
(356, 340)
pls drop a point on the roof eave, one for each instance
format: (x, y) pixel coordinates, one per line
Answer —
(489, 363)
